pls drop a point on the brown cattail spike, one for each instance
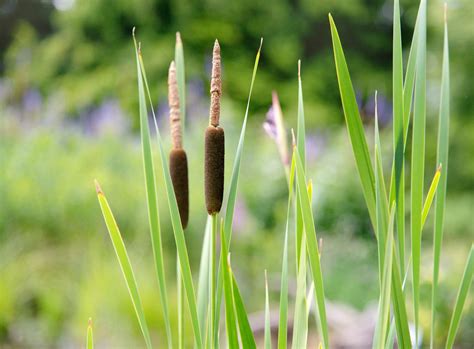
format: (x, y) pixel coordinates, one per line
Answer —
(179, 177)
(173, 101)
(216, 86)
(214, 149)
(178, 159)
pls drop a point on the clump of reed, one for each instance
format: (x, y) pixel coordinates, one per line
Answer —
(385, 209)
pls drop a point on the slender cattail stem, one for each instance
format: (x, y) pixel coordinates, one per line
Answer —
(179, 177)
(178, 159)
(212, 281)
(214, 147)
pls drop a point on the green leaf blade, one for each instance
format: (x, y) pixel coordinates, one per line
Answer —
(461, 298)
(152, 200)
(124, 262)
(418, 161)
(442, 159)
(312, 249)
(354, 123)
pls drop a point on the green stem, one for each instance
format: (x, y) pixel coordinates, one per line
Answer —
(179, 285)
(212, 280)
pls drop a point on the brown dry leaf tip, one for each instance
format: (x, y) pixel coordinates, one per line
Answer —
(299, 68)
(216, 86)
(98, 189)
(90, 322)
(173, 101)
(440, 167)
(178, 39)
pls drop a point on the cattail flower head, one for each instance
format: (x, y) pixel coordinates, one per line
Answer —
(178, 160)
(214, 145)
(216, 86)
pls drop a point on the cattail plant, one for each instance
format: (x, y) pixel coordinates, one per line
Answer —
(178, 160)
(214, 141)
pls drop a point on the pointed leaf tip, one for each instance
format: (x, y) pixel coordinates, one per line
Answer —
(98, 189)
(133, 31)
(178, 38)
(89, 323)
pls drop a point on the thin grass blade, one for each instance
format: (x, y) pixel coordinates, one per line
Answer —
(124, 262)
(152, 203)
(430, 196)
(418, 161)
(300, 144)
(283, 318)
(354, 123)
(174, 213)
(203, 282)
(441, 158)
(90, 336)
(268, 331)
(246, 334)
(300, 321)
(230, 316)
(384, 302)
(312, 249)
(397, 188)
(461, 298)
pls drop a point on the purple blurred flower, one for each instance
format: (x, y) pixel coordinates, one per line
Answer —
(107, 118)
(275, 128)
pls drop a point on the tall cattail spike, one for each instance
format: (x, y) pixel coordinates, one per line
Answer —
(173, 101)
(216, 85)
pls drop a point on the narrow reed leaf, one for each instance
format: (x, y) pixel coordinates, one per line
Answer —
(180, 75)
(230, 316)
(246, 334)
(90, 336)
(300, 144)
(383, 317)
(283, 318)
(268, 330)
(300, 320)
(229, 216)
(203, 283)
(234, 181)
(312, 249)
(381, 209)
(399, 307)
(354, 123)
(461, 299)
(430, 196)
(152, 202)
(124, 262)
(397, 188)
(418, 161)
(441, 158)
(173, 207)
(409, 81)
